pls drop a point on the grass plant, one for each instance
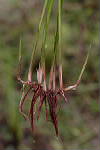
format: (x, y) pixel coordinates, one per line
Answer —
(46, 94)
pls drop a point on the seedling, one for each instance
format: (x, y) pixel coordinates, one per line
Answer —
(47, 94)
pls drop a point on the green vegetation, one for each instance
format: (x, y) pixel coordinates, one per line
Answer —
(78, 120)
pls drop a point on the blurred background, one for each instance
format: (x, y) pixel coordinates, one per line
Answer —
(79, 119)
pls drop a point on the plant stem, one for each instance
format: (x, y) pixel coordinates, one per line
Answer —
(59, 27)
(37, 39)
(59, 42)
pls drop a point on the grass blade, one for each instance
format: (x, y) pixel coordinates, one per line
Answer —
(37, 39)
(84, 66)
